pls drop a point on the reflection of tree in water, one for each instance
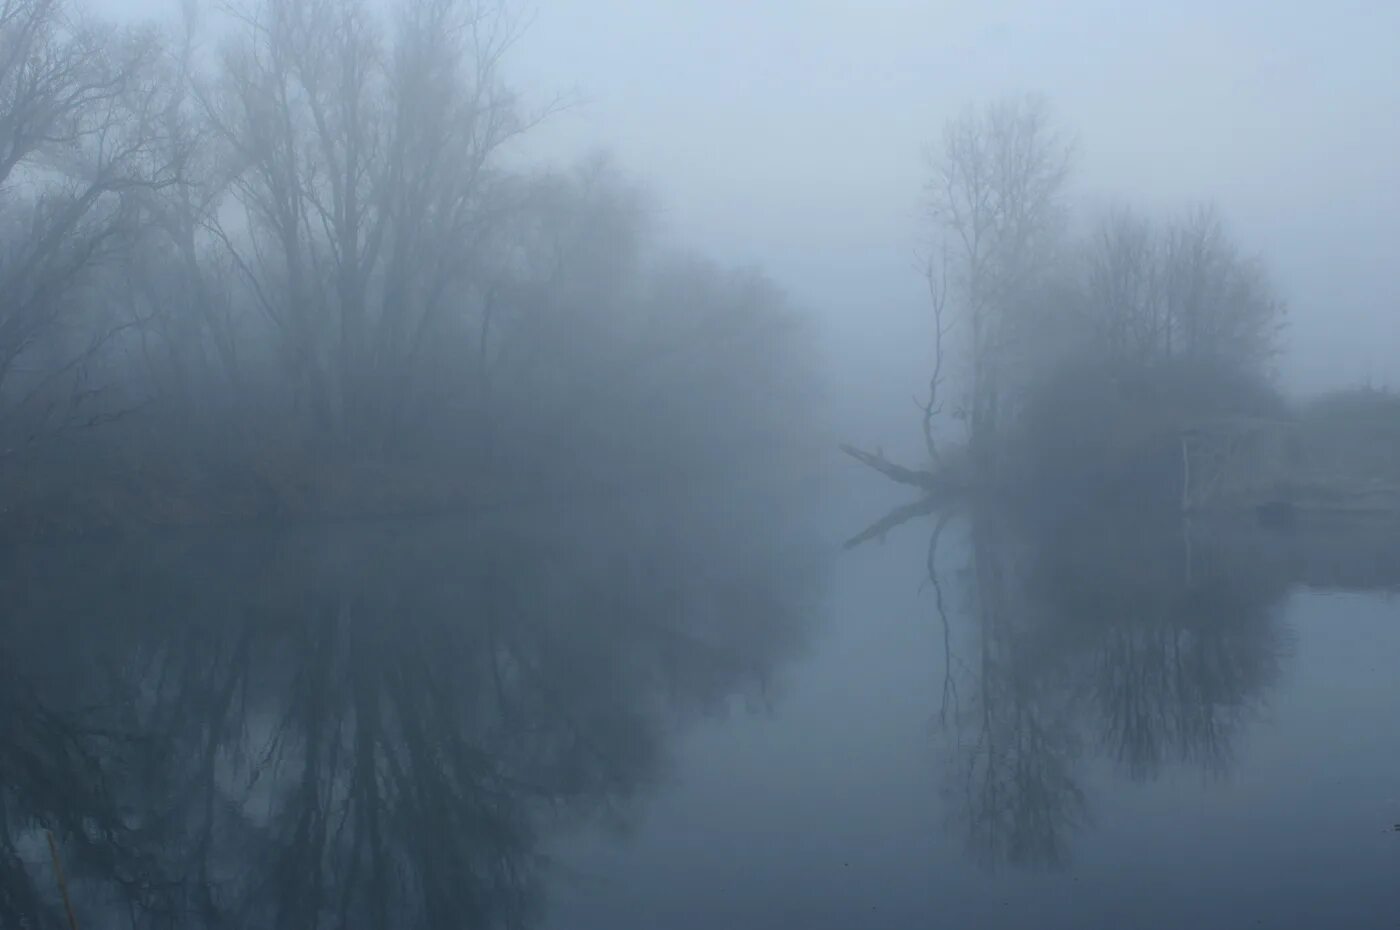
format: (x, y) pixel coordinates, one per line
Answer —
(1182, 653)
(1010, 783)
(359, 728)
(1112, 636)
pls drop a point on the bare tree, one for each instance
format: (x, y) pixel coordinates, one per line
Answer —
(363, 153)
(1220, 304)
(995, 197)
(1124, 305)
(179, 277)
(1177, 290)
(936, 277)
(80, 151)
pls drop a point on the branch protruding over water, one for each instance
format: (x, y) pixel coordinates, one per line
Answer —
(924, 479)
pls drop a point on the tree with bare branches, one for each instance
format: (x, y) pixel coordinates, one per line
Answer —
(1179, 289)
(364, 164)
(995, 196)
(81, 151)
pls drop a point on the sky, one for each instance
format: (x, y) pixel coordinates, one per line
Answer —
(789, 134)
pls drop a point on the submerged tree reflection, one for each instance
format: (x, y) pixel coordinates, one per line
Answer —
(1117, 639)
(358, 728)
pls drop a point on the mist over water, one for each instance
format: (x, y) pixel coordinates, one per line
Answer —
(374, 725)
(560, 719)
(697, 466)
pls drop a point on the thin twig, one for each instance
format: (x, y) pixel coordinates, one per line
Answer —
(62, 882)
(938, 299)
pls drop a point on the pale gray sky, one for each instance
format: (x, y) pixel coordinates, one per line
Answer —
(788, 133)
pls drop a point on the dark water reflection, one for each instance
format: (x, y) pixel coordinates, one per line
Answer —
(360, 727)
(567, 719)
(1115, 638)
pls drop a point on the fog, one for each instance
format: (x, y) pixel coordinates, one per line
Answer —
(468, 463)
(790, 135)
(812, 117)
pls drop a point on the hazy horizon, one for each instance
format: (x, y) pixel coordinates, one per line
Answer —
(790, 136)
(536, 463)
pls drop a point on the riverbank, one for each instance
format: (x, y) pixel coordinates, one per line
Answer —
(58, 498)
(1092, 445)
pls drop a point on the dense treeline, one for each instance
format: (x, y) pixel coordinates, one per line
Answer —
(1046, 305)
(293, 267)
(1080, 349)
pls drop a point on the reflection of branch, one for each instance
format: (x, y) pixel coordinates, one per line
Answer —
(950, 685)
(896, 517)
(62, 882)
(938, 298)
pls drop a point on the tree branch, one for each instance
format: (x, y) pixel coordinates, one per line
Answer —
(926, 480)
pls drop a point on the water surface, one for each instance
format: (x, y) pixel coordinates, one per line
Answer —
(705, 715)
